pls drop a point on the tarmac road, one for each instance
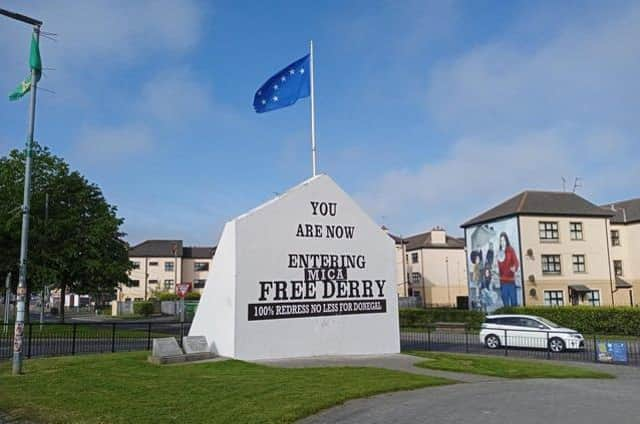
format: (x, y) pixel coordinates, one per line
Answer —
(573, 401)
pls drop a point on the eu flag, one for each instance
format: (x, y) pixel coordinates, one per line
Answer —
(284, 88)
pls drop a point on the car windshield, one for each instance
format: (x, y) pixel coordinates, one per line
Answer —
(549, 323)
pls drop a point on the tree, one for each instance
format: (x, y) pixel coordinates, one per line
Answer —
(79, 247)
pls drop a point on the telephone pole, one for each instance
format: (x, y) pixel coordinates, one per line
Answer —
(21, 292)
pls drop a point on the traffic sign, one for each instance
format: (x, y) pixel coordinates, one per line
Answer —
(182, 289)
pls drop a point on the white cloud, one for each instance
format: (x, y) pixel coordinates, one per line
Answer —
(98, 144)
(176, 95)
(98, 36)
(477, 173)
(587, 73)
(518, 116)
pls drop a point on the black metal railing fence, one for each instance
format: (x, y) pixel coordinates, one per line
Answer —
(521, 343)
(54, 339)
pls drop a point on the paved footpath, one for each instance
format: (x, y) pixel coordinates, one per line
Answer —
(487, 400)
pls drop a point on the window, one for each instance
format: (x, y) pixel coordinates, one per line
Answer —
(592, 297)
(551, 264)
(579, 264)
(168, 284)
(615, 238)
(138, 299)
(134, 283)
(575, 228)
(201, 266)
(169, 266)
(553, 298)
(153, 263)
(617, 268)
(414, 258)
(416, 277)
(153, 281)
(199, 284)
(530, 323)
(548, 230)
(135, 265)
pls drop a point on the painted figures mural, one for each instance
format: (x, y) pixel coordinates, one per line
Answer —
(495, 279)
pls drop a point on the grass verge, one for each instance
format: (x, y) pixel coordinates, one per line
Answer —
(501, 367)
(124, 388)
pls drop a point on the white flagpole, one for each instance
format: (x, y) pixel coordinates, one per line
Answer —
(314, 158)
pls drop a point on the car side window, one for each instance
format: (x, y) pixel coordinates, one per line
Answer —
(529, 323)
(510, 321)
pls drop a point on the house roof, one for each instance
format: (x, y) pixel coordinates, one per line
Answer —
(157, 248)
(625, 212)
(553, 203)
(199, 252)
(423, 241)
(164, 249)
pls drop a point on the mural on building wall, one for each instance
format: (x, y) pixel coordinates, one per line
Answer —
(493, 256)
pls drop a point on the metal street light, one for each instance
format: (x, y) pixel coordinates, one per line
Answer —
(24, 239)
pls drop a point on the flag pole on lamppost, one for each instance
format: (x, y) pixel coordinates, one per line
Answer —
(24, 239)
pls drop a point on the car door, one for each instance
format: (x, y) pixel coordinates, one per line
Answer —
(512, 330)
(535, 334)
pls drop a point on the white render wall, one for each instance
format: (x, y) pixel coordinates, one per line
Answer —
(262, 240)
(215, 316)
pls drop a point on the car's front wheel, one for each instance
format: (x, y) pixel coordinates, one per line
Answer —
(556, 345)
(492, 341)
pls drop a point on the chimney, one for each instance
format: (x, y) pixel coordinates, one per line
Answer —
(438, 236)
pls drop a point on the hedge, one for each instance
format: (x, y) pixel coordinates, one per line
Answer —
(167, 296)
(143, 308)
(192, 296)
(622, 321)
(421, 317)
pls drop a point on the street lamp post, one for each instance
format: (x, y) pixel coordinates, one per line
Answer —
(21, 292)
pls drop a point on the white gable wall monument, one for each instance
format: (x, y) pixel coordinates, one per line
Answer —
(305, 274)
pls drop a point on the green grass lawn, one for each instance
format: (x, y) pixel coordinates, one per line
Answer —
(124, 388)
(501, 367)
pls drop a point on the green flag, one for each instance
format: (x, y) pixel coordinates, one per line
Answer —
(22, 89)
(35, 63)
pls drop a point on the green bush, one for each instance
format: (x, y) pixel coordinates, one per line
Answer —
(424, 317)
(623, 321)
(143, 308)
(192, 296)
(167, 296)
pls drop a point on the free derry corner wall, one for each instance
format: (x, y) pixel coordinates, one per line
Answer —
(305, 274)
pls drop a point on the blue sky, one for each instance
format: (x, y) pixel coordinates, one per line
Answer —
(428, 113)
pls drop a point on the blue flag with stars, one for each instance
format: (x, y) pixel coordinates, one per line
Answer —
(284, 88)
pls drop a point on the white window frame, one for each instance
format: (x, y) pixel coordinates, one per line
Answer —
(555, 300)
(559, 263)
(574, 233)
(575, 265)
(548, 227)
(588, 298)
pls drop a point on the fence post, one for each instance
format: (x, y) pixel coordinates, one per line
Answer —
(466, 338)
(595, 348)
(428, 338)
(548, 347)
(113, 337)
(73, 339)
(29, 342)
(181, 333)
(506, 349)
(148, 335)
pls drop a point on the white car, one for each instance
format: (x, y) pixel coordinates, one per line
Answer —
(528, 331)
